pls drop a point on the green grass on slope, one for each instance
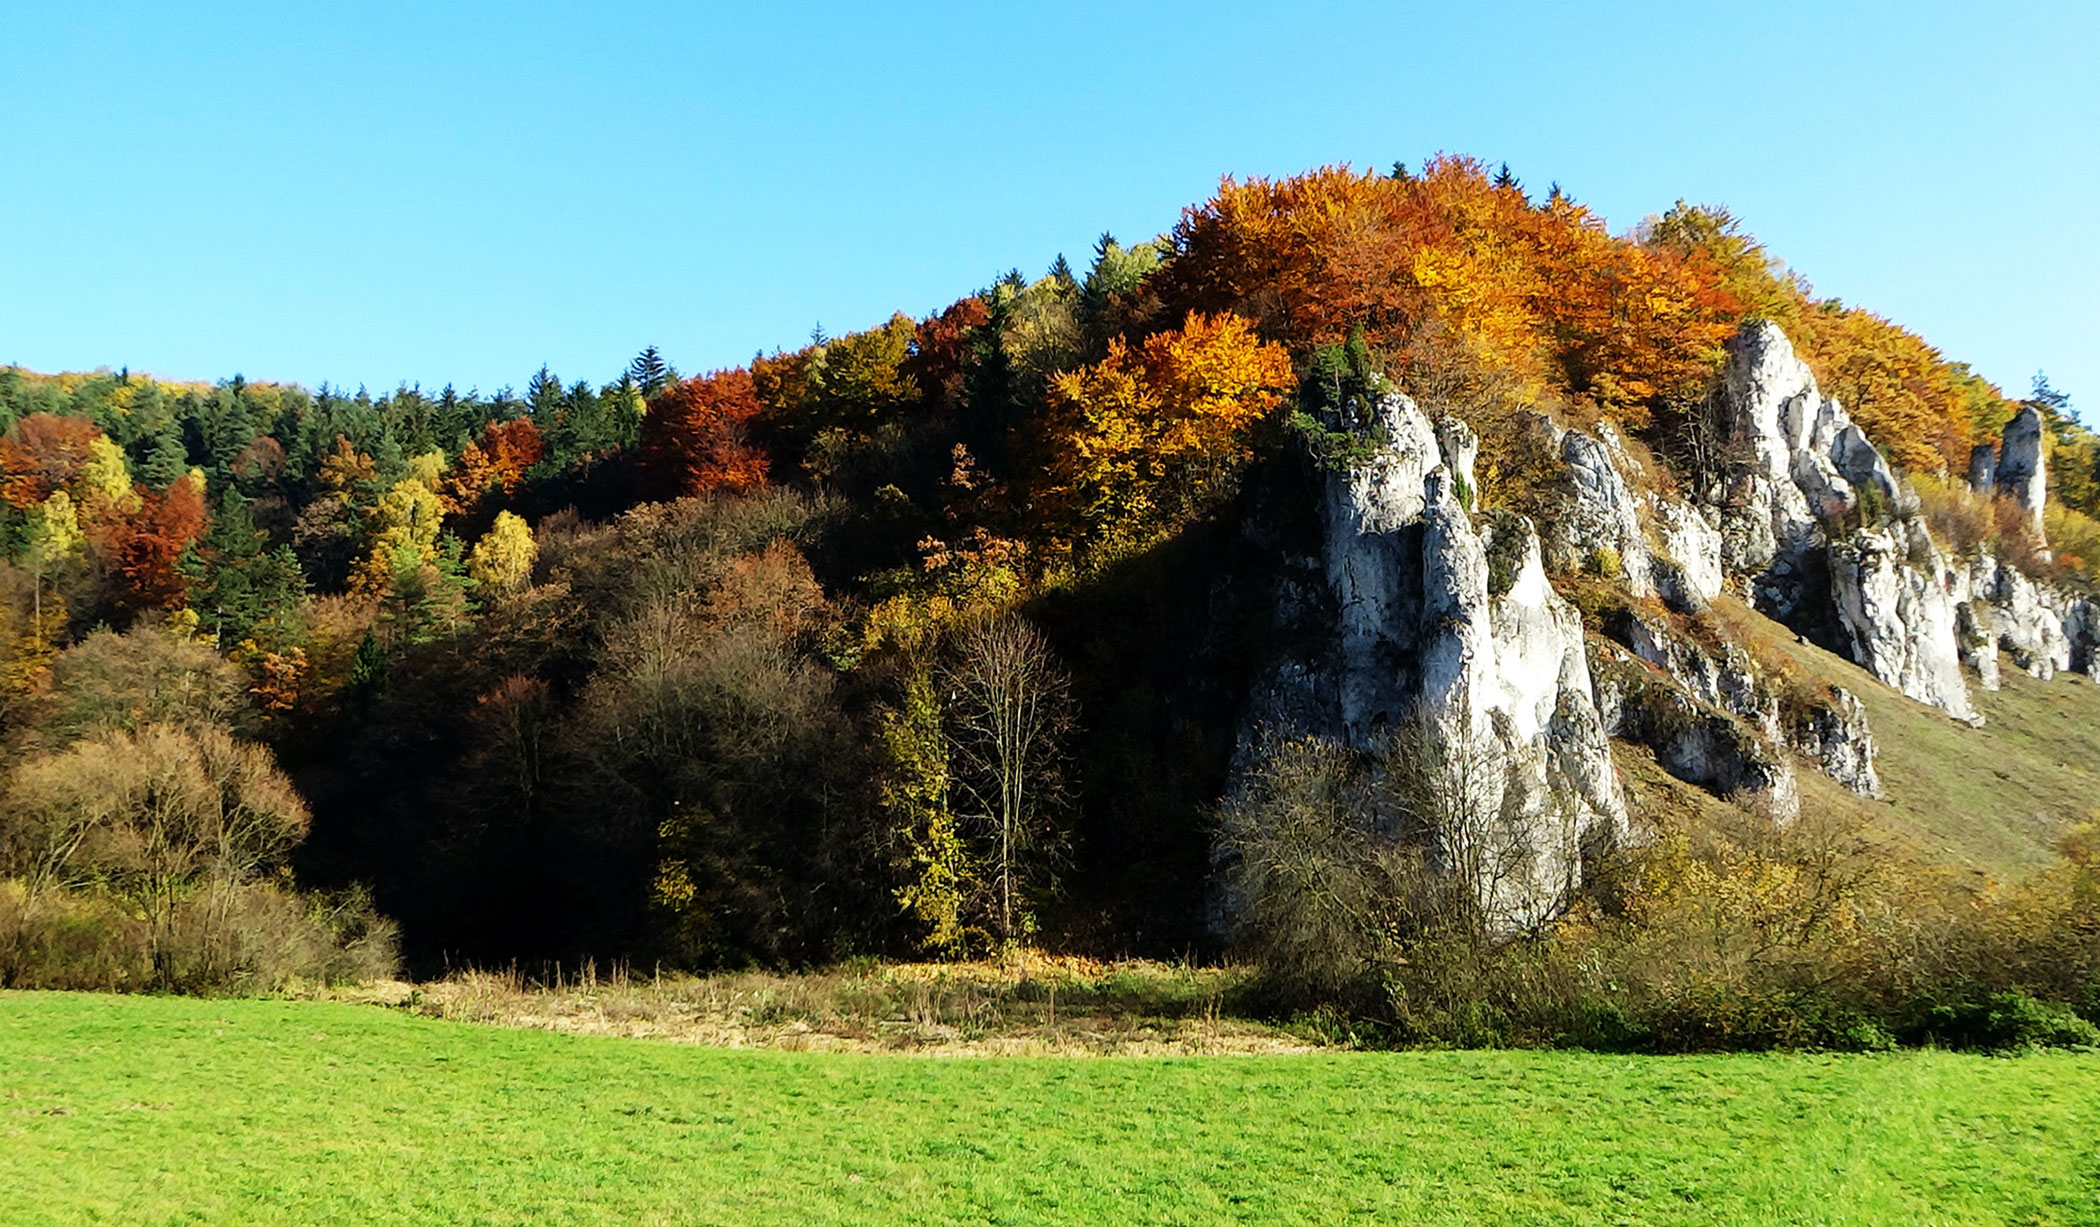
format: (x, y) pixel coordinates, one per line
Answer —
(151, 1110)
(1994, 798)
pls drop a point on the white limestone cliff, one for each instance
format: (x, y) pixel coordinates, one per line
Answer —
(1818, 498)
(1418, 635)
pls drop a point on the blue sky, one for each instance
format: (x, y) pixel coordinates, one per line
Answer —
(378, 193)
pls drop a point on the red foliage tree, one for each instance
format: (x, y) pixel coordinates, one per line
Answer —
(942, 348)
(144, 549)
(696, 438)
(41, 454)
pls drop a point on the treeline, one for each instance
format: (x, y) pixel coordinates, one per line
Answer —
(925, 638)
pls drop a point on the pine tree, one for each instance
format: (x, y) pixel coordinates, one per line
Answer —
(989, 407)
(2051, 399)
(232, 428)
(1061, 274)
(649, 371)
(543, 398)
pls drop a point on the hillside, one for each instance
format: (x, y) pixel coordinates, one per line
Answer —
(1374, 577)
(1992, 800)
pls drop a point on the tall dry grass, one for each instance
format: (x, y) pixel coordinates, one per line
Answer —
(1027, 1004)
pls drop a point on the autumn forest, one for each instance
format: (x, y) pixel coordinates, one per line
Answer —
(924, 640)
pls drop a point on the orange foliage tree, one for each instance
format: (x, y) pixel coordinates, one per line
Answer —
(1922, 410)
(498, 460)
(42, 454)
(1541, 290)
(1145, 437)
(696, 438)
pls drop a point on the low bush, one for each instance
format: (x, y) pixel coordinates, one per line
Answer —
(67, 940)
(252, 937)
(1727, 935)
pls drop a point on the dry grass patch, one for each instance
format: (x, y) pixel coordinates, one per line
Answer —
(1032, 1005)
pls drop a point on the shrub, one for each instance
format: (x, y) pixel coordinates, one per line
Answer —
(1310, 890)
(2004, 1021)
(256, 937)
(60, 940)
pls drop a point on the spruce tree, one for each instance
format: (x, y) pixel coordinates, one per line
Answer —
(167, 460)
(649, 372)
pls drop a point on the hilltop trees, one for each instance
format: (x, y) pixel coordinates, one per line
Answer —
(1539, 289)
(1135, 443)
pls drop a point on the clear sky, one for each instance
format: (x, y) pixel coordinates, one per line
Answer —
(378, 192)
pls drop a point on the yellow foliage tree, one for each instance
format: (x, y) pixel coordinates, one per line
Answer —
(104, 482)
(1141, 440)
(502, 560)
(404, 532)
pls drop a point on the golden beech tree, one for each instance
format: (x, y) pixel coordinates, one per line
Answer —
(403, 528)
(1143, 438)
(502, 560)
(1921, 409)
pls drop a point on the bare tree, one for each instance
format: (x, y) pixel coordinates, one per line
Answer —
(1314, 893)
(1009, 713)
(1494, 825)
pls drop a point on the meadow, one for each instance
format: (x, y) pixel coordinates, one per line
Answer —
(163, 1109)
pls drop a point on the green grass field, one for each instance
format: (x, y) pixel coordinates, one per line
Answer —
(152, 1110)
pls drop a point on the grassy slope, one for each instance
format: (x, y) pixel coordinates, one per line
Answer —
(1993, 799)
(161, 1109)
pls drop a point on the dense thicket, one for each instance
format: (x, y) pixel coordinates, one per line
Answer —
(700, 670)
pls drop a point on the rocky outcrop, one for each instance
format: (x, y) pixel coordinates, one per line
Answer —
(1834, 733)
(1717, 673)
(2001, 609)
(2082, 629)
(1654, 544)
(1602, 518)
(2021, 471)
(1400, 626)
(1976, 641)
(1688, 573)
(1816, 501)
(1691, 740)
(2030, 624)
(1830, 730)
(1898, 615)
(1983, 469)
